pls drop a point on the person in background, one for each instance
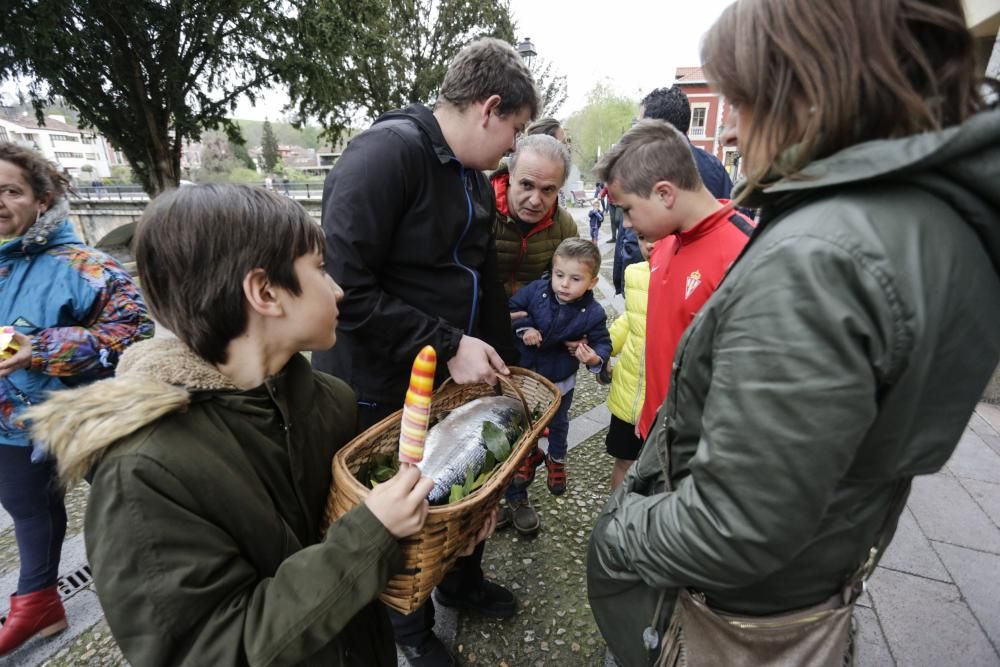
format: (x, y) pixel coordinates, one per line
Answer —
(596, 217)
(530, 223)
(73, 310)
(412, 245)
(671, 105)
(846, 348)
(628, 382)
(552, 127)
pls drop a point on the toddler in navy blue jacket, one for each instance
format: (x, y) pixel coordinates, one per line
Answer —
(564, 327)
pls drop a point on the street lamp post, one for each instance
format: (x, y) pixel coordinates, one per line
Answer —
(527, 51)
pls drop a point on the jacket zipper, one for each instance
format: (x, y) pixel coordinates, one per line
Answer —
(468, 224)
(520, 261)
(636, 405)
(763, 625)
(524, 245)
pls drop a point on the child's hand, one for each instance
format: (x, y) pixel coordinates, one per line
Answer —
(532, 337)
(484, 532)
(571, 345)
(586, 355)
(401, 503)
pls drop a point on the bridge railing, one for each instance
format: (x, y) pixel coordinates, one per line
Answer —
(303, 190)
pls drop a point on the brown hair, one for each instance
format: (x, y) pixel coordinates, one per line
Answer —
(582, 251)
(195, 245)
(489, 67)
(546, 125)
(47, 184)
(650, 152)
(822, 76)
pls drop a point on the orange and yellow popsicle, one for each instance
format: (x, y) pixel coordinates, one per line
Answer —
(8, 346)
(417, 407)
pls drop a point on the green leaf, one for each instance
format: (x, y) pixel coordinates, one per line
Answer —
(483, 476)
(496, 441)
(457, 493)
(490, 462)
(470, 479)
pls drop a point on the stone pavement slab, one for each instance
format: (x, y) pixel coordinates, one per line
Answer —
(946, 512)
(927, 622)
(986, 424)
(977, 574)
(911, 552)
(871, 649)
(973, 459)
(987, 495)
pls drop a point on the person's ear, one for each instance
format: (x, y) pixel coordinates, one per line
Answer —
(594, 281)
(666, 192)
(261, 295)
(43, 203)
(489, 106)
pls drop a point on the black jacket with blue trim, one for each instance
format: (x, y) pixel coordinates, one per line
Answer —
(409, 238)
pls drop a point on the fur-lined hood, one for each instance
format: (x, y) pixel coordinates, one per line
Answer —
(154, 378)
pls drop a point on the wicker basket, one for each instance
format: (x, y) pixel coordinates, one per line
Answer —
(429, 554)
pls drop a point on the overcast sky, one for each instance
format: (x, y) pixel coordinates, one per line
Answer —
(633, 44)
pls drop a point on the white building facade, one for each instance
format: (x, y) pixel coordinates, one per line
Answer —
(72, 149)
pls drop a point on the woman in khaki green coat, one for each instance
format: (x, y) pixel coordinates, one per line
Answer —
(846, 348)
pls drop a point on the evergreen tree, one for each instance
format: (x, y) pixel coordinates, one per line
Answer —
(269, 147)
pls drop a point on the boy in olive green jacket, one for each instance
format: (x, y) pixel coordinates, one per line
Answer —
(211, 454)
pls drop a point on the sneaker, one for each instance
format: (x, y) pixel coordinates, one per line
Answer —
(489, 599)
(430, 653)
(504, 518)
(525, 473)
(556, 480)
(524, 517)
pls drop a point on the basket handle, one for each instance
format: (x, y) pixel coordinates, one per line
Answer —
(496, 388)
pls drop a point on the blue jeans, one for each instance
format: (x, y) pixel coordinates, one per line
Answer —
(32, 496)
(595, 230)
(558, 430)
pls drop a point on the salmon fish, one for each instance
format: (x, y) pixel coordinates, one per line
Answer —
(456, 442)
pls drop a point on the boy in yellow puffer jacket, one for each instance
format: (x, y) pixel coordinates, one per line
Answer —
(628, 383)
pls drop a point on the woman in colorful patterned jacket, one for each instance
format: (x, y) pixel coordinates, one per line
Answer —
(73, 310)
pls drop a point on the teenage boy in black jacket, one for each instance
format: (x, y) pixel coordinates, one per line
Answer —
(408, 219)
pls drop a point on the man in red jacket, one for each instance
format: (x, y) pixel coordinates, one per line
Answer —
(652, 176)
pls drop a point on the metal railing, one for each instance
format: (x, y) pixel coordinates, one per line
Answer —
(304, 190)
